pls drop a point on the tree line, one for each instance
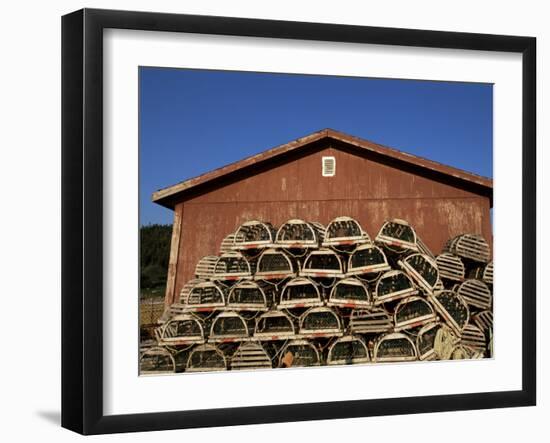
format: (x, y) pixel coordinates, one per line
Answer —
(154, 255)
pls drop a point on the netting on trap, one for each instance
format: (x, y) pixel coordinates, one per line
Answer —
(299, 234)
(469, 246)
(452, 308)
(249, 296)
(232, 266)
(348, 350)
(156, 361)
(450, 267)
(323, 263)
(367, 259)
(320, 322)
(413, 312)
(206, 358)
(393, 285)
(425, 341)
(299, 353)
(476, 294)
(422, 269)
(394, 347)
(274, 264)
(180, 330)
(273, 326)
(254, 234)
(228, 327)
(370, 321)
(350, 293)
(250, 355)
(300, 292)
(397, 235)
(344, 231)
(204, 296)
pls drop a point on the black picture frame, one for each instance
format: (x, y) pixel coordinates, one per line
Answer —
(82, 218)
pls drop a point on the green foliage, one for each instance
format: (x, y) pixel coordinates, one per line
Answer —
(154, 255)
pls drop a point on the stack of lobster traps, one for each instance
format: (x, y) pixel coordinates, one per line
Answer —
(308, 295)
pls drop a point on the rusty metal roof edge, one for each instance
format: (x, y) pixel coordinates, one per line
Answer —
(356, 142)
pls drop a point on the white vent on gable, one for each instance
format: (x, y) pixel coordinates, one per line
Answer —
(329, 166)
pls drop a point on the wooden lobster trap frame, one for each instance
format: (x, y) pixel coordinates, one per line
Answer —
(274, 264)
(367, 259)
(474, 338)
(249, 296)
(484, 320)
(344, 231)
(254, 234)
(398, 234)
(228, 327)
(204, 269)
(299, 234)
(227, 243)
(413, 312)
(250, 355)
(274, 326)
(452, 308)
(206, 358)
(350, 293)
(156, 361)
(323, 263)
(476, 293)
(180, 330)
(204, 296)
(450, 267)
(320, 322)
(422, 269)
(394, 347)
(426, 340)
(484, 272)
(469, 246)
(299, 353)
(232, 266)
(393, 285)
(348, 350)
(370, 321)
(300, 292)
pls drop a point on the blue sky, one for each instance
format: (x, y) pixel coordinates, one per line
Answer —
(193, 121)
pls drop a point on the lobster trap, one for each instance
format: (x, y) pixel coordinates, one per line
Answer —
(469, 246)
(320, 322)
(249, 296)
(204, 269)
(274, 264)
(344, 232)
(394, 347)
(227, 243)
(299, 234)
(273, 326)
(249, 356)
(452, 308)
(156, 361)
(232, 266)
(476, 294)
(367, 259)
(300, 292)
(348, 350)
(204, 296)
(431, 338)
(370, 321)
(254, 235)
(180, 330)
(474, 338)
(413, 312)
(484, 272)
(206, 358)
(461, 352)
(422, 269)
(299, 353)
(397, 235)
(450, 267)
(228, 327)
(323, 263)
(484, 321)
(393, 285)
(350, 293)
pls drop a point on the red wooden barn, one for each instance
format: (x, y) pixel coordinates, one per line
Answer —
(366, 181)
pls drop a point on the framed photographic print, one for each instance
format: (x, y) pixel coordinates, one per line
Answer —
(269, 221)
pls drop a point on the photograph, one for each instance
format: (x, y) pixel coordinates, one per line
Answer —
(297, 220)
